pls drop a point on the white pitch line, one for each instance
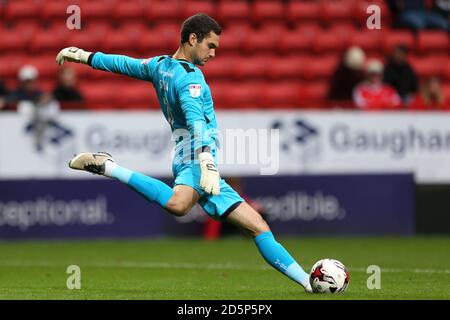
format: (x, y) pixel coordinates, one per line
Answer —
(166, 265)
(132, 264)
(400, 270)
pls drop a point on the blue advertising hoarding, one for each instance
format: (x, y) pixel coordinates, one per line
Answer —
(75, 208)
(339, 204)
(292, 205)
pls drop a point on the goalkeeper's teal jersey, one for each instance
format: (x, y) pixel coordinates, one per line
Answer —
(184, 96)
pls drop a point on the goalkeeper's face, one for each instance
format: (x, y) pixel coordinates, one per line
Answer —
(205, 50)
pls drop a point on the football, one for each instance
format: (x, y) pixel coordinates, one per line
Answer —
(329, 276)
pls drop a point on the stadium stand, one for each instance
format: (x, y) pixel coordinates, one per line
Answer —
(233, 12)
(268, 45)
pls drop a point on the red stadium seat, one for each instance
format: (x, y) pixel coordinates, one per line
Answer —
(191, 7)
(220, 91)
(261, 40)
(447, 70)
(128, 11)
(310, 28)
(12, 40)
(303, 11)
(163, 11)
(368, 40)
(220, 67)
(320, 68)
(80, 69)
(232, 38)
(315, 94)
(46, 66)
(289, 67)
(100, 76)
(19, 10)
(134, 28)
(296, 40)
(98, 27)
(393, 38)
(163, 37)
(327, 41)
(428, 66)
(233, 11)
(432, 41)
(446, 92)
(89, 41)
(10, 65)
(281, 95)
(266, 10)
(244, 95)
(100, 95)
(26, 26)
(147, 41)
(52, 40)
(95, 10)
(91, 73)
(334, 11)
(120, 40)
(232, 95)
(137, 95)
(276, 28)
(16, 39)
(343, 28)
(51, 10)
(251, 68)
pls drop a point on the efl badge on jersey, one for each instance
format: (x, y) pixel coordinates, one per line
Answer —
(194, 90)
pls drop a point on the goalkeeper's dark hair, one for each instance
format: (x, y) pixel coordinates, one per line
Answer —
(201, 24)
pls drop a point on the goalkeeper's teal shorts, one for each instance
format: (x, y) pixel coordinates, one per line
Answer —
(217, 207)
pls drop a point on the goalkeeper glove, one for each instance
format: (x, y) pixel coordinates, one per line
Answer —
(72, 54)
(210, 178)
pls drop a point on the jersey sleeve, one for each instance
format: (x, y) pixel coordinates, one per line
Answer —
(135, 68)
(190, 91)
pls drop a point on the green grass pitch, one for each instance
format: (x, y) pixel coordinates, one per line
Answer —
(231, 268)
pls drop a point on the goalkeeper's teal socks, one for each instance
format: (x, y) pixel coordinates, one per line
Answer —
(152, 189)
(277, 256)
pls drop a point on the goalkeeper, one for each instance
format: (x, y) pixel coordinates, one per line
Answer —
(186, 102)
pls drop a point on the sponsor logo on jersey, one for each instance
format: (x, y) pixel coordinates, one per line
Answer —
(194, 90)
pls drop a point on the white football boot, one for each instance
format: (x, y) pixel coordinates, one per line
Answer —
(308, 289)
(91, 162)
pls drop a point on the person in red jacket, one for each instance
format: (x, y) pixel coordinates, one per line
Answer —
(430, 96)
(373, 94)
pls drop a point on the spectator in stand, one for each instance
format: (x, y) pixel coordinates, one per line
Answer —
(415, 15)
(3, 95)
(430, 96)
(39, 107)
(65, 89)
(27, 89)
(373, 94)
(349, 72)
(442, 7)
(399, 74)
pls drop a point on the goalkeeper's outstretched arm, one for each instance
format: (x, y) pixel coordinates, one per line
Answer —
(136, 68)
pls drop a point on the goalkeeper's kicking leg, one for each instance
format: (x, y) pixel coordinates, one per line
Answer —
(251, 222)
(177, 201)
(182, 198)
